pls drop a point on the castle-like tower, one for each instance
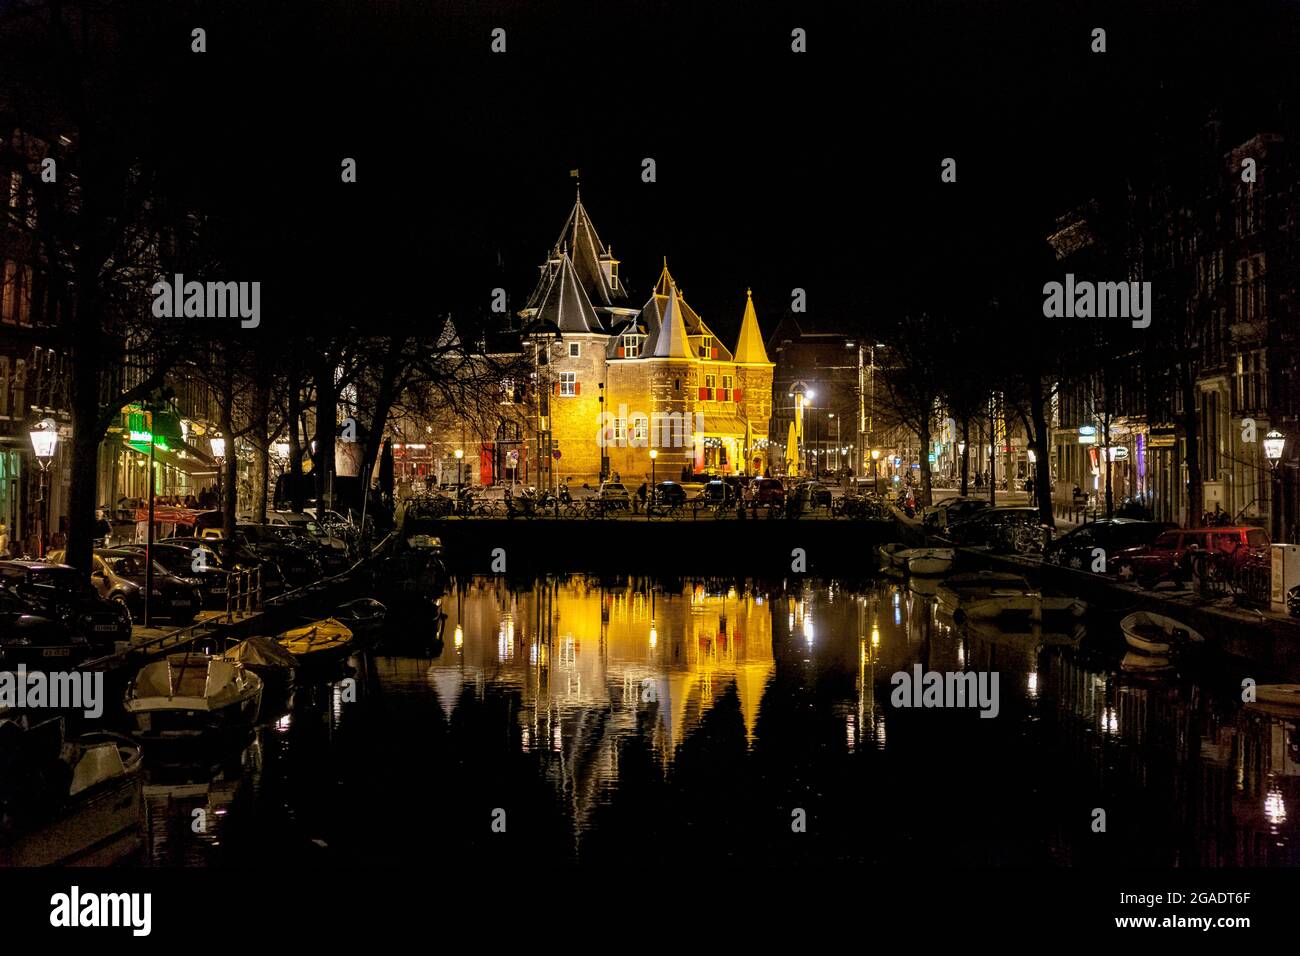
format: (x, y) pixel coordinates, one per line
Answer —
(619, 382)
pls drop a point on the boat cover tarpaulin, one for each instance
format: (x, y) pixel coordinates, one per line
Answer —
(261, 651)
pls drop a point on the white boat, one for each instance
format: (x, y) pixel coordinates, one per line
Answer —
(985, 595)
(189, 695)
(928, 561)
(1145, 663)
(1156, 634)
(890, 556)
(1021, 633)
(1279, 695)
(98, 821)
(928, 587)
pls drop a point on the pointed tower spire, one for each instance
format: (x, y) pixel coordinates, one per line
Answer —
(749, 346)
(672, 341)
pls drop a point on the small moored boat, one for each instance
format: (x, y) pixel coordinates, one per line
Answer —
(89, 806)
(268, 659)
(364, 617)
(1279, 695)
(929, 561)
(320, 642)
(1136, 663)
(1156, 634)
(984, 595)
(190, 695)
(890, 556)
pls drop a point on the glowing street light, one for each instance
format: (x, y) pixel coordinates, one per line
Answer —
(1274, 443)
(44, 437)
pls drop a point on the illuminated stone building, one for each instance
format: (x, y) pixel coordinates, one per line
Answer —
(616, 382)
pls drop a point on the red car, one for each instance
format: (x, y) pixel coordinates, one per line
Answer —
(1169, 557)
(766, 491)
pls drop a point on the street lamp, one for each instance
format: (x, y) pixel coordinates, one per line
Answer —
(218, 445)
(45, 440)
(460, 472)
(875, 470)
(1274, 443)
(654, 453)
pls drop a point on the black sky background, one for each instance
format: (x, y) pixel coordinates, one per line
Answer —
(775, 170)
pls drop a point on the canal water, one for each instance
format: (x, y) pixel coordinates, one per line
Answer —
(702, 721)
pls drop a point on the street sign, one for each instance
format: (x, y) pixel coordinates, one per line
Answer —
(556, 454)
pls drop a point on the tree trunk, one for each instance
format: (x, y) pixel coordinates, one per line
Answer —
(965, 455)
(85, 458)
(261, 448)
(1042, 467)
(993, 450)
(296, 498)
(326, 430)
(1192, 437)
(1105, 455)
(924, 458)
(385, 395)
(231, 464)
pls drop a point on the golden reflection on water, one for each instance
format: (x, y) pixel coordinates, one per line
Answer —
(572, 647)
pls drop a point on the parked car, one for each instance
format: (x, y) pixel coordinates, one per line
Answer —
(992, 527)
(939, 516)
(767, 491)
(296, 562)
(1170, 556)
(1077, 548)
(333, 560)
(237, 560)
(716, 492)
(119, 575)
(614, 493)
(37, 640)
(670, 493)
(191, 561)
(65, 594)
(307, 525)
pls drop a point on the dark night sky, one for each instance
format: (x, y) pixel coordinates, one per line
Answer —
(775, 170)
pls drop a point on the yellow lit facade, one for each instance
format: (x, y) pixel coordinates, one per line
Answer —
(617, 381)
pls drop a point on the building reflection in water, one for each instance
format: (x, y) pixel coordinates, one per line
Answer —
(616, 708)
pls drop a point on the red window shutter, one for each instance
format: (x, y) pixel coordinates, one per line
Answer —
(715, 351)
(577, 388)
(737, 394)
(620, 351)
(704, 393)
(557, 388)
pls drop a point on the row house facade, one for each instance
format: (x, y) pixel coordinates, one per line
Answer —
(1218, 363)
(33, 370)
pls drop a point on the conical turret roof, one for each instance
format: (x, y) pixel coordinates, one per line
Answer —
(749, 346)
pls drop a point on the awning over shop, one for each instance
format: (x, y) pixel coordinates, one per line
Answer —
(169, 514)
(723, 426)
(176, 455)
